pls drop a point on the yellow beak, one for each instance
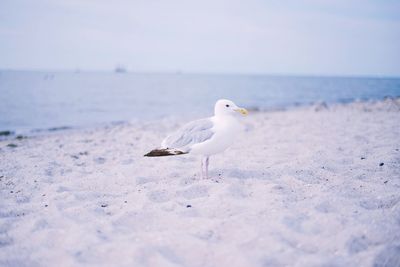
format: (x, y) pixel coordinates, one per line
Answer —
(243, 111)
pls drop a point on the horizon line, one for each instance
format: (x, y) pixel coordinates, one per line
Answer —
(181, 72)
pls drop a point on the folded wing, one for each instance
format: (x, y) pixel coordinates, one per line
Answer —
(190, 134)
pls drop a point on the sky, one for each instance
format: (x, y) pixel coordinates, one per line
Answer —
(301, 37)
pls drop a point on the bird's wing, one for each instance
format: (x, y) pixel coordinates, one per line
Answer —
(190, 134)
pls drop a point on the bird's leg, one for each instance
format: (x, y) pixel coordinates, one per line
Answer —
(202, 168)
(207, 162)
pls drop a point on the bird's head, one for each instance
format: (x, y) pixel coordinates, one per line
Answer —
(227, 107)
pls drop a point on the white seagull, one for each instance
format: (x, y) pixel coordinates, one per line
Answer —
(205, 137)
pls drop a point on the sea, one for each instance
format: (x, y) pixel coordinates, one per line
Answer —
(36, 101)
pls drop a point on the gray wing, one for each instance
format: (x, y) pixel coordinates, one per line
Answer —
(192, 133)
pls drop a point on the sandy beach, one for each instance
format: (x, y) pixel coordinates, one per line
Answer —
(312, 186)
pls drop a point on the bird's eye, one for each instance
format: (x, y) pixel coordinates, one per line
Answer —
(227, 106)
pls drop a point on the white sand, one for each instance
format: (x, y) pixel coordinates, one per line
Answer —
(303, 188)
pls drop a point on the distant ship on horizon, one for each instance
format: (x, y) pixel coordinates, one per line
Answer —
(120, 69)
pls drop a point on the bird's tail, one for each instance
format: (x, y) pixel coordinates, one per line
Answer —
(161, 152)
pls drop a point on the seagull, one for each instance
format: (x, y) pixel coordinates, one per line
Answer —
(205, 137)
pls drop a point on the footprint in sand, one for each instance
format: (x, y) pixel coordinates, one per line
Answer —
(325, 207)
(8, 214)
(99, 160)
(62, 189)
(301, 223)
(308, 176)
(295, 222)
(196, 191)
(144, 180)
(188, 181)
(238, 191)
(208, 235)
(159, 196)
(357, 244)
(40, 224)
(127, 162)
(373, 204)
(389, 256)
(5, 240)
(20, 199)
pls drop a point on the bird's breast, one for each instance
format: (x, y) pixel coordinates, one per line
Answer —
(226, 132)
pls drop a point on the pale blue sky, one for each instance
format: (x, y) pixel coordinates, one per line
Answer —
(332, 37)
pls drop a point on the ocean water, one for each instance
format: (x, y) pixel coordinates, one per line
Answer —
(33, 101)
